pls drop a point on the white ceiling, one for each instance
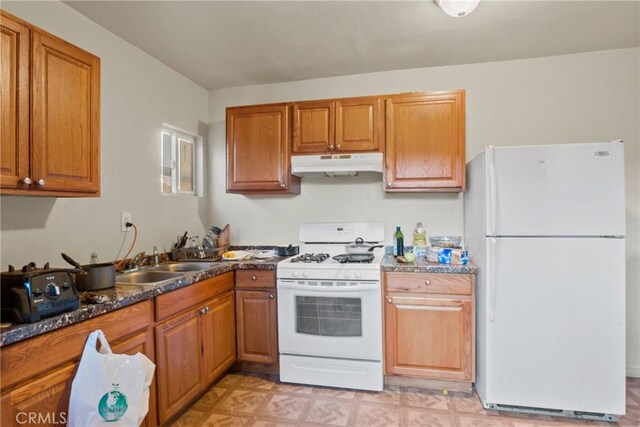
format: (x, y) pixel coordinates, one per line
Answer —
(225, 44)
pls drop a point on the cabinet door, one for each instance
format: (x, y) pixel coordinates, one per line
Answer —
(359, 124)
(142, 343)
(257, 326)
(428, 338)
(65, 116)
(258, 153)
(179, 367)
(42, 402)
(14, 103)
(218, 336)
(425, 142)
(313, 127)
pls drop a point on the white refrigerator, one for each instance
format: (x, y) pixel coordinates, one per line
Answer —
(545, 225)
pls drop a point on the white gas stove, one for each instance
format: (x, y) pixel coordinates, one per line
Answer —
(329, 312)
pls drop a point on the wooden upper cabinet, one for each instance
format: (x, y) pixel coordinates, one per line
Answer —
(313, 127)
(14, 103)
(425, 142)
(359, 124)
(337, 125)
(50, 114)
(65, 116)
(258, 154)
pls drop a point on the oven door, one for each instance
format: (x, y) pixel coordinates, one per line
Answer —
(330, 319)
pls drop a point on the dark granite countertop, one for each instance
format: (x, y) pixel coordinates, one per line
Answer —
(124, 295)
(421, 265)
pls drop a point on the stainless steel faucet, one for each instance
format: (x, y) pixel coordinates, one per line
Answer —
(156, 257)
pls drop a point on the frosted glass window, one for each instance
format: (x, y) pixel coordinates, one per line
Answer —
(181, 165)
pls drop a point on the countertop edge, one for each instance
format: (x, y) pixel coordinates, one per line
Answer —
(123, 296)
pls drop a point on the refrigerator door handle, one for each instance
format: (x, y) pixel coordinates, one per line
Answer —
(491, 279)
(492, 184)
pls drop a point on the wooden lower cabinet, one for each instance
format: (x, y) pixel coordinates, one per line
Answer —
(193, 349)
(42, 402)
(257, 326)
(142, 343)
(37, 373)
(179, 363)
(427, 334)
(218, 337)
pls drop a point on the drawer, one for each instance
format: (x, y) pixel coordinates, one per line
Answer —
(436, 283)
(181, 299)
(263, 279)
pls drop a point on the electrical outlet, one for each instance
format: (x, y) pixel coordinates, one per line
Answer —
(125, 217)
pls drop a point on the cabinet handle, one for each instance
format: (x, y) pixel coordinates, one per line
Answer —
(337, 146)
(41, 182)
(271, 296)
(204, 310)
(389, 184)
(331, 147)
(389, 300)
(254, 278)
(427, 282)
(27, 181)
(283, 186)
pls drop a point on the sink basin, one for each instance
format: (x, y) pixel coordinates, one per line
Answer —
(146, 277)
(185, 266)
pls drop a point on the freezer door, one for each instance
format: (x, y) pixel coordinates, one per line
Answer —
(556, 190)
(556, 328)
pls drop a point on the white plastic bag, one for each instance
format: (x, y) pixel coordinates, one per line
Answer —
(109, 389)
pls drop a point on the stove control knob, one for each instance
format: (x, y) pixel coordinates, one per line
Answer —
(358, 275)
(296, 274)
(347, 275)
(52, 290)
(305, 274)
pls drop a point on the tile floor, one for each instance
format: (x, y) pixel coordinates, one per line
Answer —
(239, 400)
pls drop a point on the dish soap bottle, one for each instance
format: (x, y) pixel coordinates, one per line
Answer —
(420, 241)
(398, 243)
(419, 235)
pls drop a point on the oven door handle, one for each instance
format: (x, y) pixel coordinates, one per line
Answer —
(334, 288)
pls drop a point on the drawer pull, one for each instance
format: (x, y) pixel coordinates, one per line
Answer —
(204, 310)
(254, 278)
(271, 296)
(427, 282)
(41, 182)
(389, 300)
(27, 181)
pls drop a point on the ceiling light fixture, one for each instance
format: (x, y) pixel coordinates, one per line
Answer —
(457, 8)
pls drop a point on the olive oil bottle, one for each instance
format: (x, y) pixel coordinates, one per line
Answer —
(398, 243)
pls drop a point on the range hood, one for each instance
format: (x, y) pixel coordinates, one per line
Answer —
(336, 164)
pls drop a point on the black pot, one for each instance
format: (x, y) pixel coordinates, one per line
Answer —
(288, 250)
(93, 277)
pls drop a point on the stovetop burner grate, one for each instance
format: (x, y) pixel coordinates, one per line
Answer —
(354, 258)
(309, 258)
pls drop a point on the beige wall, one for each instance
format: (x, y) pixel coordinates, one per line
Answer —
(138, 94)
(573, 98)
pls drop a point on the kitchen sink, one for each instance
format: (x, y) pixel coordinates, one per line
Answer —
(184, 266)
(147, 277)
